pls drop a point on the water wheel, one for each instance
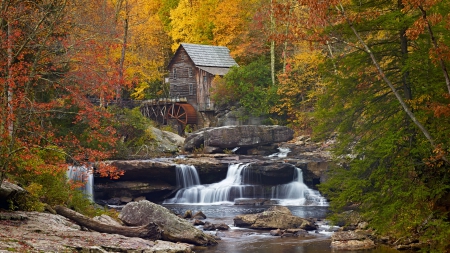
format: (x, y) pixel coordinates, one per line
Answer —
(184, 113)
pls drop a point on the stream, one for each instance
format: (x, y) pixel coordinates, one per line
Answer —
(243, 240)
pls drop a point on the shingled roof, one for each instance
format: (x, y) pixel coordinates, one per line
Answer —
(209, 56)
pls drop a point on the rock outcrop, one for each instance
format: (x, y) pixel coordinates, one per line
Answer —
(174, 228)
(229, 137)
(44, 232)
(275, 217)
(8, 191)
(166, 142)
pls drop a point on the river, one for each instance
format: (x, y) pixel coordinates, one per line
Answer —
(243, 240)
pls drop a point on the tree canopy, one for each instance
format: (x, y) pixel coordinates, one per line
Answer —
(372, 74)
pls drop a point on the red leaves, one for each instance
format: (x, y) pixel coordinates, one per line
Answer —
(50, 72)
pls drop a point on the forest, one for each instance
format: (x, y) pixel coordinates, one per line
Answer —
(371, 73)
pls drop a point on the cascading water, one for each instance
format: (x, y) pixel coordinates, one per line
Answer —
(187, 176)
(296, 193)
(283, 152)
(84, 175)
(233, 187)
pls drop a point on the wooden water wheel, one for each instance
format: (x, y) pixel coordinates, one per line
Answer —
(184, 113)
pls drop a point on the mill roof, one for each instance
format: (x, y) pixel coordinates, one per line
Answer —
(209, 56)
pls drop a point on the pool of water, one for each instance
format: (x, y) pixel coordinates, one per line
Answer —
(244, 240)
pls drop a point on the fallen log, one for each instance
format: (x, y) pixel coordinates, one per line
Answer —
(150, 231)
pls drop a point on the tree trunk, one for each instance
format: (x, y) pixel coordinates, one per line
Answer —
(150, 231)
(272, 43)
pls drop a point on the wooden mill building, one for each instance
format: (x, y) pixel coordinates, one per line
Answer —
(192, 69)
(191, 72)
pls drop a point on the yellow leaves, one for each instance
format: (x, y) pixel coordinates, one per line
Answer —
(299, 87)
(418, 102)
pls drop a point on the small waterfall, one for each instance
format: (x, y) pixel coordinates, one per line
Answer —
(296, 193)
(241, 183)
(187, 176)
(84, 175)
(282, 153)
(224, 191)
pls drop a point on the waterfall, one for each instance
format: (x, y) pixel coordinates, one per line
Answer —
(187, 176)
(282, 153)
(241, 183)
(84, 175)
(296, 193)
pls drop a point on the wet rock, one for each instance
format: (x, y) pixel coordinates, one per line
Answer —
(187, 214)
(287, 234)
(208, 226)
(199, 215)
(198, 222)
(174, 228)
(114, 201)
(126, 199)
(275, 217)
(222, 226)
(276, 232)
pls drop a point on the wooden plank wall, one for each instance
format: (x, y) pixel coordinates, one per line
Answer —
(179, 87)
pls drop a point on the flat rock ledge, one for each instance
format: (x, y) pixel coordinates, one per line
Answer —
(351, 240)
(44, 232)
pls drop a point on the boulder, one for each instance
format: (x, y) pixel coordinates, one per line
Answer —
(275, 217)
(8, 191)
(351, 240)
(167, 142)
(174, 228)
(199, 215)
(229, 137)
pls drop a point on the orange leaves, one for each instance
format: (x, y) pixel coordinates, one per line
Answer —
(438, 159)
(441, 52)
(417, 29)
(108, 170)
(441, 109)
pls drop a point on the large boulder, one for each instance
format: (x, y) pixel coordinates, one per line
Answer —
(174, 228)
(8, 191)
(166, 142)
(229, 137)
(275, 217)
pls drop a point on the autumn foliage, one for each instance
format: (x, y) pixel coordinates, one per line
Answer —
(53, 60)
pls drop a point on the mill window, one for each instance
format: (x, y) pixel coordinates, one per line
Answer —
(191, 89)
(174, 73)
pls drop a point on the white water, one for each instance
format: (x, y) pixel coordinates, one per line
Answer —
(84, 175)
(296, 193)
(232, 187)
(187, 176)
(283, 152)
